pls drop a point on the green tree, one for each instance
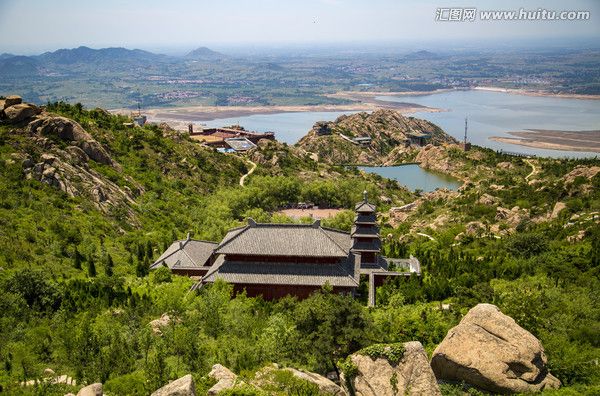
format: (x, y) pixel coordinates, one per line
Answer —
(109, 265)
(91, 267)
(77, 258)
(157, 370)
(162, 275)
(331, 326)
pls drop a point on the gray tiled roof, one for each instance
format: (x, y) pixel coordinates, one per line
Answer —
(365, 218)
(365, 231)
(364, 207)
(340, 237)
(373, 246)
(344, 274)
(186, 254)
(294, 240)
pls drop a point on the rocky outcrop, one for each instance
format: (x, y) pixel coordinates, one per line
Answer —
(91, 390)
(492, 352)
(475, 229)
(226, 379)
(487, 199)
(67, 168)
(558, 207)
(11, 101)
(512, 217)
(586, 172)
(157, 324)
(388, 130)
(436, 158)
(579, 180)
(183, 386)
(379, 376)
(68, 171)
(70, 131)
(20, 112)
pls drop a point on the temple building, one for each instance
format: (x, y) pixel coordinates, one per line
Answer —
(188, 257)
(276, 260)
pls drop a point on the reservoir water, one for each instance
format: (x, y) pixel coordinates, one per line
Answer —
(490, 114)
(414, 177)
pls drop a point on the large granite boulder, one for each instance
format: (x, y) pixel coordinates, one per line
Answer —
(226, 379)
(11, 100)
(492, 352)
(375, 374)
(70, 131)
(183, 386)
(91, 390)
(20, 112)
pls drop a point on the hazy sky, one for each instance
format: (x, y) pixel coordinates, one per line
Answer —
(34, 26)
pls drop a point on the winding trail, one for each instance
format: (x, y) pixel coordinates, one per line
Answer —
(426, 236)
(243, 178)
(534, 170)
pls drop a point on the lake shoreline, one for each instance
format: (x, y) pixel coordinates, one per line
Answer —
(582, 141)
(514, 91)
(180, 117)
(541, 145)
(414, 177)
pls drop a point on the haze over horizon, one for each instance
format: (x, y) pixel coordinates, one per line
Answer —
(184, 24)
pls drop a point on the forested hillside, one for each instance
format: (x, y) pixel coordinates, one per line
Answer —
(76, 295)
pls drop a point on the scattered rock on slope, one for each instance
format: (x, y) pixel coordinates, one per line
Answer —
(491, 351)
(91, 390)
(226, 379)
(183, 386)
(378, 376)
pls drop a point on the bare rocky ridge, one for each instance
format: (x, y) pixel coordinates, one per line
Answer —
(68, 130)
(61, 154)
(387, 129)
(492, 352)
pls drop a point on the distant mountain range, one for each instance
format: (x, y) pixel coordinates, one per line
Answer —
(19, 65)
(85, 54)
(422, 55)
(204, 53)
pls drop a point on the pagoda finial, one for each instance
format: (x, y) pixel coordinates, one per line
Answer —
(365, 196)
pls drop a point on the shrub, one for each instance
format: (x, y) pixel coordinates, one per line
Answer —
(162, 275)
(128, 384)
(392, 352)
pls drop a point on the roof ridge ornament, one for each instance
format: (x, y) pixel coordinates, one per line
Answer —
(251, 222)
(316, 223)
(365, 196)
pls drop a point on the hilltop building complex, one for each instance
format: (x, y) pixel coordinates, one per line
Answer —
(276, 260)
